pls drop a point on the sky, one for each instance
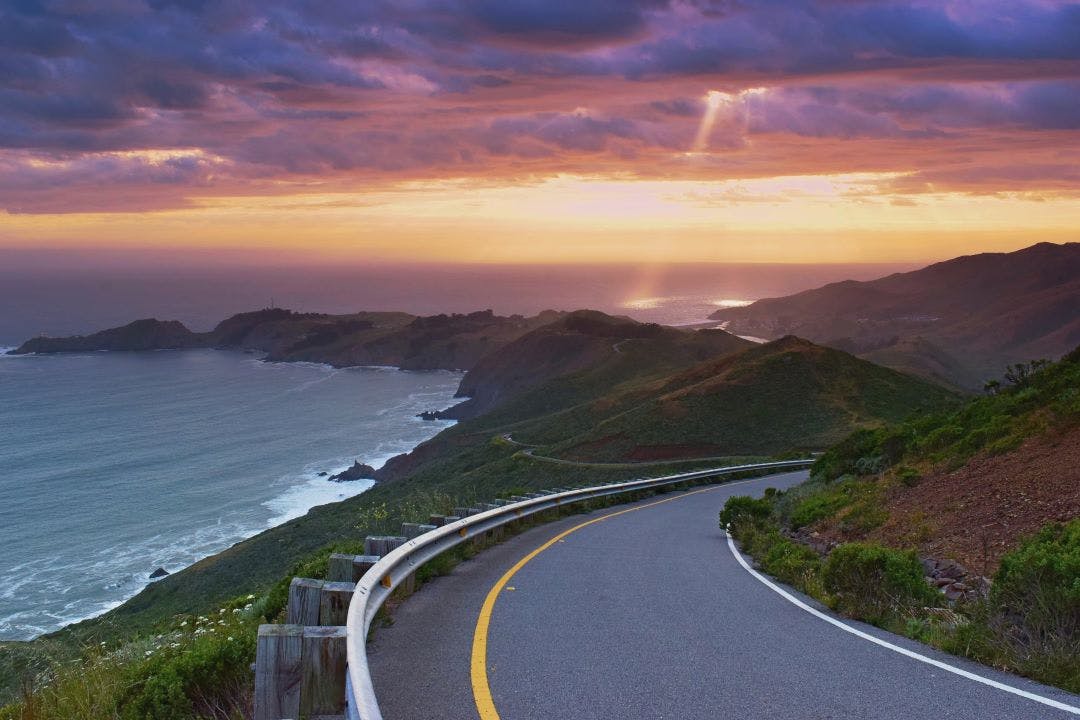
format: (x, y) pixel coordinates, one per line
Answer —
(540, 131)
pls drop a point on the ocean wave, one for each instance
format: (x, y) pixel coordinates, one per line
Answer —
(297, 500)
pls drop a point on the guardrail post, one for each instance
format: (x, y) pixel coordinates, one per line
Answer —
(437, 520)
(340, 568)
(322, 689)
(349, 568)
(278, 654)
(382, 544)
(305, 596)
(334, 603)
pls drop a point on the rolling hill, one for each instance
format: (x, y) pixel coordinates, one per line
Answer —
(631, 392)
(959, 321)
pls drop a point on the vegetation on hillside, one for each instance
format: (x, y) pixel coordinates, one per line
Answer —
(1030, 619)
(1043, 398)
(785, 395)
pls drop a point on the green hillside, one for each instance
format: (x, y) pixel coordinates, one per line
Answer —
(787, 395)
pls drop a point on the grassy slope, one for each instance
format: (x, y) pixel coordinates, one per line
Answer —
(940, 481)
(781, 396)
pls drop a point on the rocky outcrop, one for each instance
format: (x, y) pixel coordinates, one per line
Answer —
(159, 573)
(148, 334)
(957, 583)
(357, 471)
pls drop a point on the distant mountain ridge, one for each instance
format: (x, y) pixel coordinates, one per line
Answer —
(438, 342)
(959, 321)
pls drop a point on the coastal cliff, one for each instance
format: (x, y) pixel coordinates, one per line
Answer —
(409, 342)
(148, 334)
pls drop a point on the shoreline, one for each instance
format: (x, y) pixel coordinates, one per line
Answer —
(292, 498)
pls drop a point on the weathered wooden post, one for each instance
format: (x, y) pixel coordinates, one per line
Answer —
(278, 674)
(334, 603)
(437, 520)
(322, 691)
(382, 544)
(304, 600)
(339, 568)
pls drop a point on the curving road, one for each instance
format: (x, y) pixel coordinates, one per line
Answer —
(648, 614)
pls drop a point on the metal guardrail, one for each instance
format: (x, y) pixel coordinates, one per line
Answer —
(380, 581)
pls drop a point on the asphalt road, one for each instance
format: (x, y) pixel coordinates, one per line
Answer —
(649, 615)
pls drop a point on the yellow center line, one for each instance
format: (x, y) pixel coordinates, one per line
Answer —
(481, 690)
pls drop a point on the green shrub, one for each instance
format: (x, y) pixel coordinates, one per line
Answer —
(818, 507)
(790, 562)
(864, 515)
(1039, 583)
(208, 679)
(873, 583)
(908, 476)
(743, 508)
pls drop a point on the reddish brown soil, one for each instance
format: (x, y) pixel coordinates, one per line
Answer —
(976, 514)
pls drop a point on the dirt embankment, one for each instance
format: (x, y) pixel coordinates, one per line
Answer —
(977, 513)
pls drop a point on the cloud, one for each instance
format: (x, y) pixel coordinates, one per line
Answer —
(353, 93)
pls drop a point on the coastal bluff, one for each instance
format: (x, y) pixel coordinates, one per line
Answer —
(396, 339)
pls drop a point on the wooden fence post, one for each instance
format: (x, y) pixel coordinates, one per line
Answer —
(382, 544)
(278, 672)
(361, 564)
(323, 684)
(334, 603)
(304, 599)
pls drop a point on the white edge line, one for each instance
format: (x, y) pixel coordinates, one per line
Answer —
(896, 648)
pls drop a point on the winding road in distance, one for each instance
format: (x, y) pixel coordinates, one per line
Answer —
(644, 612)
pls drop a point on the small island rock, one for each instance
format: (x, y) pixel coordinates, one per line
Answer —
(159, 573)
(358, 471)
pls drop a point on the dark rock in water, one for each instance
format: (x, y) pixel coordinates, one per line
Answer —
(435, 415)
(159, 573)
(323, 474)
(358, 471)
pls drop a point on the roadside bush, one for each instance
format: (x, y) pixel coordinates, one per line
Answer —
(208, 679)
(816, 507)
(1039, 585)
(872, 582)
(790, 562)
(742, 509)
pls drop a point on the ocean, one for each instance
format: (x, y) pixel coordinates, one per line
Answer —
(115, 464)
